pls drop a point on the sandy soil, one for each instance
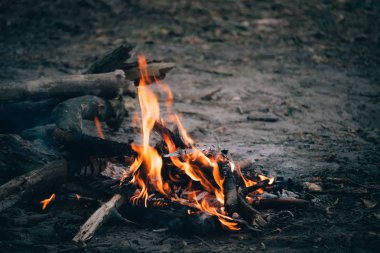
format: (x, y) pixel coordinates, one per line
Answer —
(313, 65)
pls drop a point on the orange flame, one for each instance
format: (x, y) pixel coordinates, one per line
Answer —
(147, 168)
(99, 130)
(46, 202)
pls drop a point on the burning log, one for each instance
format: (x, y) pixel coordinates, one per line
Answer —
(244, 192)
(47, 177)
(96, 220)
(164, 131)
(106, 85)
(70, 114)
(111, 61)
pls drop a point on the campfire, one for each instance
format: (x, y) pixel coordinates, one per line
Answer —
(163, 169)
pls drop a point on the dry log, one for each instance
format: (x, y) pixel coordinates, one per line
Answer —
(280, 203)
(45, 178)
(70, 114)
(104, 212)
(107, 85)
(111, 61)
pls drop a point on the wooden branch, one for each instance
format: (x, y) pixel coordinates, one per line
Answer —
(111, 61)
(96, 220)
(107, 85)
(45, 178)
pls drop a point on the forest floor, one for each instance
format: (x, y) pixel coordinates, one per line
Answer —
(313, 65)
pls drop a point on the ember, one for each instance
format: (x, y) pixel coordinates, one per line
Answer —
(47, 201)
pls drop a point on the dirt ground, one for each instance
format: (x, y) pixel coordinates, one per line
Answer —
(313, 65)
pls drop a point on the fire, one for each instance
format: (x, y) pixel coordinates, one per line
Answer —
(195, 167)
(99, 130)
(46, 202)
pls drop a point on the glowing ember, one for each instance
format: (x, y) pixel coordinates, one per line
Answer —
(99, 130)
(46, 202)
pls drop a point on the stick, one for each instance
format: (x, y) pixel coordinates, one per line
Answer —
(106, 85)
(230, 192)
(47, 177)
(111, 61)
(280, 203)
(96, 220)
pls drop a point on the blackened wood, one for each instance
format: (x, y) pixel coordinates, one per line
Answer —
(107, 85)
(244, 192)
(70, 114)
(281, 203)
(248, 213)
(230, 191)
(44, 179)
(87, 145)
(164, 131)
(112, 60)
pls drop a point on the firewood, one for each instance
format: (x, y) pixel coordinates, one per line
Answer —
(244, 192)
(106, 85)
(111, 61)
(43, 179)
(248, 213)
(104, 212)
(87, 145)
(70, 114)
(164, 131)
(230, 191)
